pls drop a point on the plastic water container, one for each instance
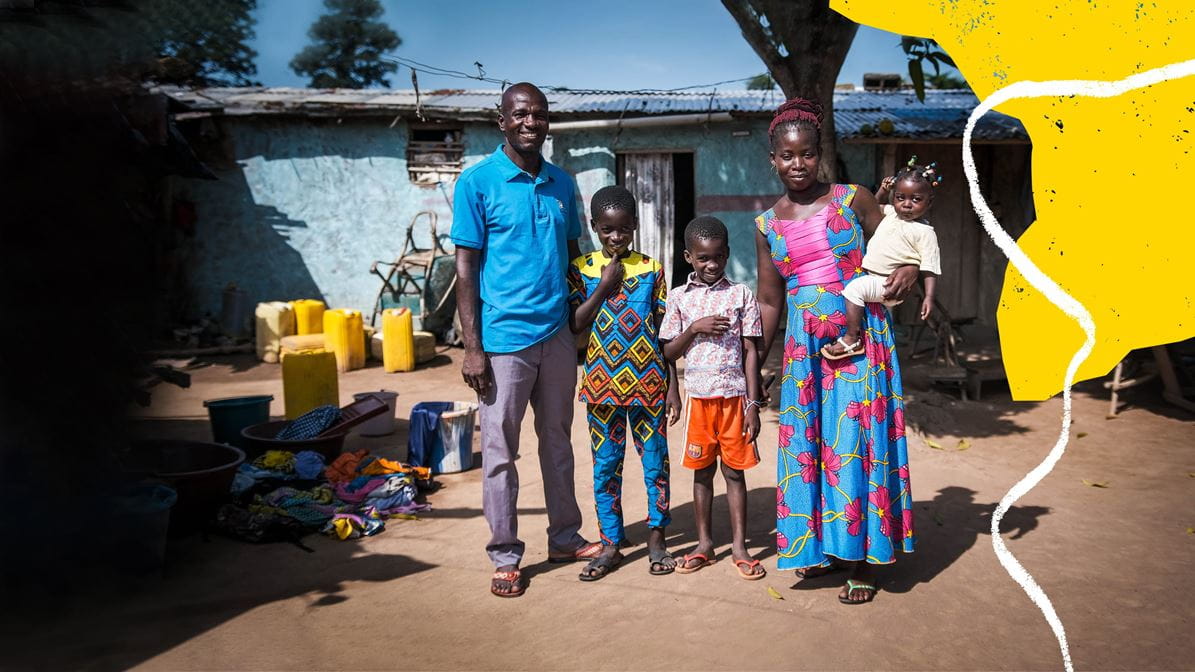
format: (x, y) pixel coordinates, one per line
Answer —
(398, 340)
(309, 316)
(275, 320)
(376, 347)
(425, 346)
(370, 332)
(230, 415)
(383, 424)
(306, 343)
(308, 380)
(234, 311)
(344, 335)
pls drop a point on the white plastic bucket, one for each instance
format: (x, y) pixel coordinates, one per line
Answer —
(454, 452)
(382, 424)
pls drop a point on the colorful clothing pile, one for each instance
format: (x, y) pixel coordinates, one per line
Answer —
(382, 485)
(280, 494)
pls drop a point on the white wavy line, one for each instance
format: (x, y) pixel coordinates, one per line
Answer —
(1044, 284)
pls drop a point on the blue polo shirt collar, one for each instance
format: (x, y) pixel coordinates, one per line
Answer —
(510, 171)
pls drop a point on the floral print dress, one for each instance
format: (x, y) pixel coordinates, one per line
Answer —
(842, 467)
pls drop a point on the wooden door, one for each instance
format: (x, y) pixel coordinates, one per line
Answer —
(649, 178)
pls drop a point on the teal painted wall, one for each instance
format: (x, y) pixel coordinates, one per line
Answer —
(305, 205)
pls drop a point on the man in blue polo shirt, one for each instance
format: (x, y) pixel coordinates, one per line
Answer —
(515, 226)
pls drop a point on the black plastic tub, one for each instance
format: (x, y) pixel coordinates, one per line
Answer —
(201, 473)
(259, 438)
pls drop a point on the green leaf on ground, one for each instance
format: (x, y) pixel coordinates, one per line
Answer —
(405, 516)
(1095, 484)
(1080, 435)
(963, 444)
(1191, 530)
(934, 444)
(775, 595)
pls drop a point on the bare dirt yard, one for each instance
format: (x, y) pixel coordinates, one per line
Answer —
(1115, 560)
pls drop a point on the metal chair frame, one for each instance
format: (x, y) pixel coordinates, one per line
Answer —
(399, 277)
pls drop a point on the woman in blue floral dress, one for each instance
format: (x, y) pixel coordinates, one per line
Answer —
(843, 499)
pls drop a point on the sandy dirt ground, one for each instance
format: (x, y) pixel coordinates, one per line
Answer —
(1117, 562)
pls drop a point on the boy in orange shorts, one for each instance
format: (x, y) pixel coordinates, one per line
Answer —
(714, 323)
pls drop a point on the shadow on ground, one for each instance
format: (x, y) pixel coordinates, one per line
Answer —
(125, 623)
(946, 526)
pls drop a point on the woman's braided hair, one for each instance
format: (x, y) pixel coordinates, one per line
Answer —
(797, 114)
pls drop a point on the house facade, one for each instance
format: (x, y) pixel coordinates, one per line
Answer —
(315, 185)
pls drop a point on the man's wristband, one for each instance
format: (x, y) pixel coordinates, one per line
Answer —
(753, 402)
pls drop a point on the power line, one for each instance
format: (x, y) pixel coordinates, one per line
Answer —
(481, 77)
(437, 70)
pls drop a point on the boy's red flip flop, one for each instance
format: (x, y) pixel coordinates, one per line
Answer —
(684, 568)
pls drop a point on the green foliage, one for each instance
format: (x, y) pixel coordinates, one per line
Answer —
(947, 81)
(170, 41)
(920, 50)
(761, 82)
(204, 43)
(347, 49)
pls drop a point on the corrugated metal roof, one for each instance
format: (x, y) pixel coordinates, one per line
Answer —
(563, 102)
(942, 115)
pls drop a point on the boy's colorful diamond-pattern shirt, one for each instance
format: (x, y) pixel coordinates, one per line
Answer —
(623, 363)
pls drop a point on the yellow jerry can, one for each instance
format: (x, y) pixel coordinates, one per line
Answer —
(308, 380)
(398, 340)
(344, 335)
(309, 316)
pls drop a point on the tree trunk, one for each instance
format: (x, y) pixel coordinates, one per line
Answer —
(803, 44)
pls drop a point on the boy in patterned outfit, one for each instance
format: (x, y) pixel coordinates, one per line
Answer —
(626, 381)
(714, 323)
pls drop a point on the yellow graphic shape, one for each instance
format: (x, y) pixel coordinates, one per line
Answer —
(1109, 175)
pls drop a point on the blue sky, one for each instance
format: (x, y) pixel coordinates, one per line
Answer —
(613, 44)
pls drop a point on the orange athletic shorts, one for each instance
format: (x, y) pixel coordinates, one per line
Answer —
(714, 427)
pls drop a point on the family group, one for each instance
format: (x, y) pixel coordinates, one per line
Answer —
(831, 257)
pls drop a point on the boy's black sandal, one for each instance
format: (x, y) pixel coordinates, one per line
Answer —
(600, 566)
(658, 566)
